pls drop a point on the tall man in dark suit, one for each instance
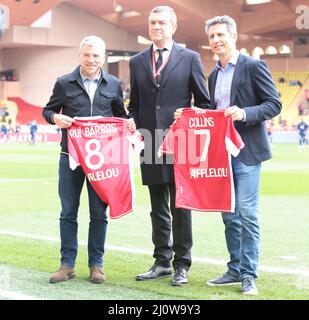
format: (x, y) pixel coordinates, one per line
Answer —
(164, 77)
(243, 87)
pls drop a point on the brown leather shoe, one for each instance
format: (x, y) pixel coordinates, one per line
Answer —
(96, 275)
(63, 274)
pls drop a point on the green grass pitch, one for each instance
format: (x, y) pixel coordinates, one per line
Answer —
(30, 207)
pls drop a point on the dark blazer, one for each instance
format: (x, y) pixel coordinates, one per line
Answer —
(254, 90)
(71, 99)
(152, 104)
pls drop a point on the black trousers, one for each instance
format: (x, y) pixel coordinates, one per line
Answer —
(166, 221)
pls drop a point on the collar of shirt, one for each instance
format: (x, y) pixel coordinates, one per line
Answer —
(232, 61)
(168, 46)
(224, 82)
(91, 84)
(84, 78)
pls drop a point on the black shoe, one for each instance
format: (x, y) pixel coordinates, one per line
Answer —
(155, 272)
(180, 277)
(225, 280)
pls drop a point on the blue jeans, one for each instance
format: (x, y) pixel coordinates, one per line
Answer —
(70, 187)
(242, 230)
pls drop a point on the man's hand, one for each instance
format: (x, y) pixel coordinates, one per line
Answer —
(131, 125)
(63, 121)
(178, 113)
(235, 112)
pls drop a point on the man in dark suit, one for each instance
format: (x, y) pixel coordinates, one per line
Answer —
(164, 77)
(243, 87)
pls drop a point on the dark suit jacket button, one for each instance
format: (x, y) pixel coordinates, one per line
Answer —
(153, 90)
(158, 107)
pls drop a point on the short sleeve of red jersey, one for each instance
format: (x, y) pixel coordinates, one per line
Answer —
(73, 155)
(233, 141)
(137, 142)
(167, 146)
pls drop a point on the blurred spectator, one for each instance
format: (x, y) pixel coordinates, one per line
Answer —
(8, 75)
(270, 129)
(126, 92)
(4, 131)
(301, 109)
(10, 126)
(4, 112)
(17, 128)
(302, 128)
(281, 80)
(283, 124)
(295, 83)
(280, 120)
(33, 126)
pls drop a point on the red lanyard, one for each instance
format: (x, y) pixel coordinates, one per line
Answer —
(156, 73)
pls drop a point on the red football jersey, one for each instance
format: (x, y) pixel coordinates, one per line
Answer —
(202, 142)
(104, 149)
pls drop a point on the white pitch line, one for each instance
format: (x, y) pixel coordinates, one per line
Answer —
(285, 168)
(296, 272)
(16, 295)
(26, 180)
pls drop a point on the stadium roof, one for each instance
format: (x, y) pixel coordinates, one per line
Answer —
(274, 20)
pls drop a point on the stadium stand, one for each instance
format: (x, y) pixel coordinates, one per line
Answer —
(291, 86)
(35, 52)
(26, 111)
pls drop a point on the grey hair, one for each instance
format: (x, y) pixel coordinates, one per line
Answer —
(93, 41)
(166, 9)
(228, 21)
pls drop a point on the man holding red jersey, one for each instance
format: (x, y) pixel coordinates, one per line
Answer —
(86, 92)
